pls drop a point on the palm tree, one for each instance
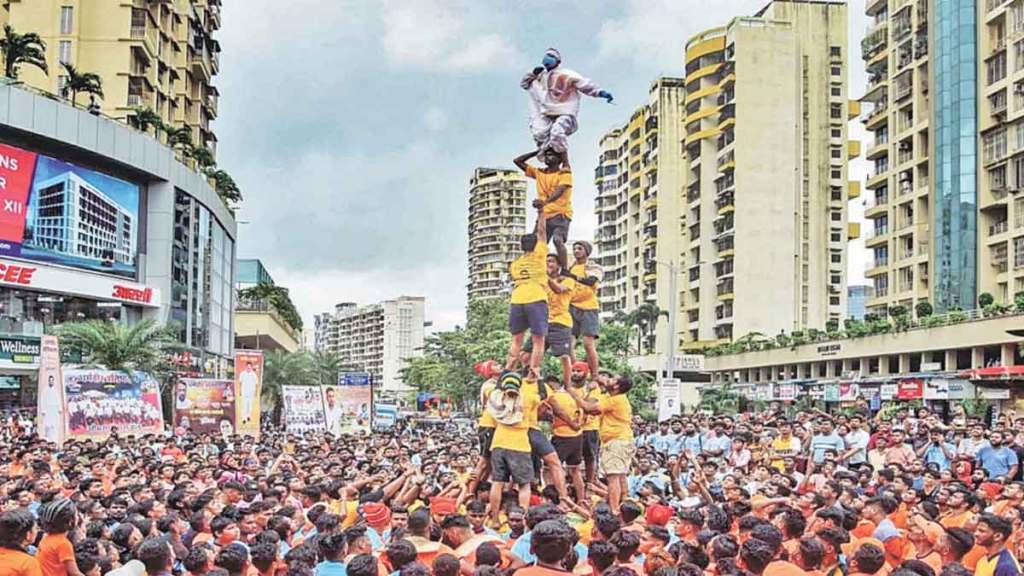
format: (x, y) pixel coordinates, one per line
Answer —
(143, 118)
(328, 366)
(179, 137)
(648, 313)
(282, 368)
(225, 187)
(144, 346)
(18, 49)
(721, 399)
(86, 82)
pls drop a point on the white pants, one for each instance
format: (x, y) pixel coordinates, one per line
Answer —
(552, 132)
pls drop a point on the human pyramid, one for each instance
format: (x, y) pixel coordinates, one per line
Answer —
(557, 303)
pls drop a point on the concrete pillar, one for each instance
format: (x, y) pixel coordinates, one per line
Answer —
(865, 366)
(950, 363)
(801, 370)
(978, 357)
(1007, 352)
(904, 363)
(845, 366)
(883, 365)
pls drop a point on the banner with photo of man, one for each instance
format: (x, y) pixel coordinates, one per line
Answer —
(248, 386)
(52, 416)
(303, 409)
(205, 406)
(98, 402)
(348, 406)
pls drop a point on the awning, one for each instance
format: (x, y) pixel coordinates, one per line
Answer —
(995, 373)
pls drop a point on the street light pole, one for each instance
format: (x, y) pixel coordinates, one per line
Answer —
(670, 337)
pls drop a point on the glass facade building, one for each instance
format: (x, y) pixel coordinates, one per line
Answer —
(956, 151)
(201, 278)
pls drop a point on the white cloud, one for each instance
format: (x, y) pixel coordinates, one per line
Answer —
(448, 36)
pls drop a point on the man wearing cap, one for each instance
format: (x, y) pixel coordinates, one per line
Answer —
(485, 428)
(555, 101)
(511, 460)
(585, 306)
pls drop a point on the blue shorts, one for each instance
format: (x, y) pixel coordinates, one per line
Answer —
(532, 317)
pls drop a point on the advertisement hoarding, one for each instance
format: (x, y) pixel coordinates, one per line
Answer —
(62, 213)
(99, 401)
(910, 389)
(668, 399)
(205, 406)
(303, 409)
(385, 416)
(248, 386)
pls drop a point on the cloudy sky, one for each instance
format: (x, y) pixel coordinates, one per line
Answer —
(353, 126)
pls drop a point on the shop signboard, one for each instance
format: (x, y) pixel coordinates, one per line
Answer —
(910, 389)
(960, 389)
(15, 274)
(785, 392)
(832, 392)
(994, 393)
(888, 391)
(689, 362)
(936, 389)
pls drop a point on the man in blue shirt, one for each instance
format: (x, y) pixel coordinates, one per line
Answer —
(332, 549)
(825, 440)
(719, 445)
(998, 460)
(937, 451)
(663, 440)
(692, 440)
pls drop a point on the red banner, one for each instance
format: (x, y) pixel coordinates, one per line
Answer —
(910, 389)
(16, 170)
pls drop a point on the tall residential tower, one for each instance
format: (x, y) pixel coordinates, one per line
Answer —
(497, 218)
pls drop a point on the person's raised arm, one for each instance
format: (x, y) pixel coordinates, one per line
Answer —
(588, 406)
(561, 414)
(520, 161)
(542, 228)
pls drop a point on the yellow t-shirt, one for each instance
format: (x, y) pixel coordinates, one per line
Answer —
(583, 297)
(486, 420)
(515, 437)
(558, 426)
(532, 417)
(616, 418)
(558, 304)
(593, 421)
(783, 448)
(547, 182)
(530, 276)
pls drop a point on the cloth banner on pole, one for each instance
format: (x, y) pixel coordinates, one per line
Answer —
(668, 399)
(248, 387)
(52, 420)
(303, 409)
(348, 406)
(98, 401)
(205, 406)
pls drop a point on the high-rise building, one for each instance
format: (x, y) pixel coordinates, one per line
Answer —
(947, 235)
(497, 218)
(766, 195)
(158, 55)
(639, 182)
(377, 338)
(259, 321)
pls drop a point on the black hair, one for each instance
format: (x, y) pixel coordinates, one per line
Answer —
(630, 511)
(692, 517)
(769, 534)
(197, 560)
(756, 555)
(263, 555)
(419, 521)
(917, 567)
(955, 569)
(834, 537)
(540, 513)
(362, 565)
(551, 540)
(659, 533)
(446, 565)
(812, 551)
(961, 541)
(155, 554)
(724, 546)
(628, 542)
(601, 554)
(997, 523)
(332, 546)
(15, 526)
(304, 554)
(794, 523)
(718, 519)
(487, 554)
(869, 558)
(607, 525)
(57, 516)
(414, 569)
(476, 507)
(528, 242)
(232, 558)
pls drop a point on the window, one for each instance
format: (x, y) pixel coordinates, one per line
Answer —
(836, 111)
(836, 216)
(996, 68)
(835, 51)
(836, 279)
(837, 70)
(837, 174)
(1018, 213)
(837, 152)
(62, 83)
(837, 132)
(1018, 252)
(833, 300)
(994, 145)
(836, 237)
(1018, 173)
(837, 91)
(837, 258)
(66, 19)
(65, 52)
(837, 193)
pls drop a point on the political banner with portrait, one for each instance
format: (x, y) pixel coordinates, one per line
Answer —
(98, 402)
(50, 401)
(303, 409)
(348, 407)
(248, 386)
(205, 406)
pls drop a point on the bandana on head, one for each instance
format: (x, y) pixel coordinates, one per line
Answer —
(554, 53)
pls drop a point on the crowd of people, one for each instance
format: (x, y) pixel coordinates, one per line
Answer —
(709, 494)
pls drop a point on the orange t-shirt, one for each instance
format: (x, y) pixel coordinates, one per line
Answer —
(783, 568)
(957, 520)
(864, 529)
(542, 571)
(17, 563)
(971, 559)
(54, 551)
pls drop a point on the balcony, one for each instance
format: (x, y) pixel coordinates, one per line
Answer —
(998, 228)
(145, 32)
(875, 39)
(876, 206)
(878, 178)
(992, 5)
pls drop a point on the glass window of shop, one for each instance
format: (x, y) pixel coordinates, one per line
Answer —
(201, 277)
(25, 312)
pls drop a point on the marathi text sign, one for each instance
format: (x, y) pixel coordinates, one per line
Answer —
(51, 411)
(100, 401)
(347, 408)
(303, 409)
(668, 399)
(205, 406)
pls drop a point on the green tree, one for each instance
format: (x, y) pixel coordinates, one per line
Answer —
(277, 298)
(143, 119)
(923, 309)
(84, 82)
(179, 137)
(18, 49)
(719, 399)
(328, 366)
(282, 368)
(985, 299)
(225, 187)
(203, 158)
(145, 346)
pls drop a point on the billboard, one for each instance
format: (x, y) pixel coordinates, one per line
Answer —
(303, 409)
(385, 416)
(62, 213)
(50, 403)
(348, 406)
(99, 401)
(205, 406)
(248, 386)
